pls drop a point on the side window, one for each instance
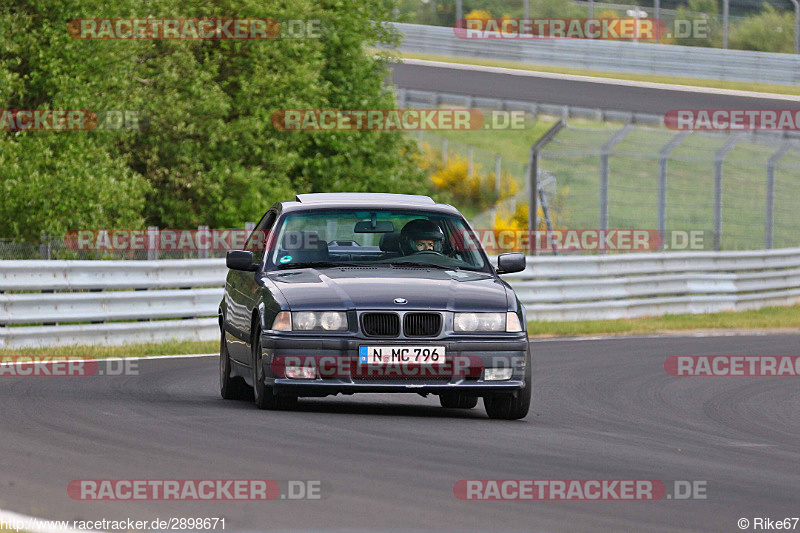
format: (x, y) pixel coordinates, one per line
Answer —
(257, 241)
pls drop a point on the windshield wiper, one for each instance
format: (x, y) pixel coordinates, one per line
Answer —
(420, 265)
(312, 264)
(326, 264)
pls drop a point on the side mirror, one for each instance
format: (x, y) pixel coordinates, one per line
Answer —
(240, 260)
(510, 263)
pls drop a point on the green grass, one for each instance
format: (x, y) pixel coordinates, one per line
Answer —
(766, 318)
(510, 144)
(127, 350)
(676, 80)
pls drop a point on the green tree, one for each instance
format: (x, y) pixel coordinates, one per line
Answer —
(210, 154)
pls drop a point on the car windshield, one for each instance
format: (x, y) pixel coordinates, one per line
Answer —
(394, 238)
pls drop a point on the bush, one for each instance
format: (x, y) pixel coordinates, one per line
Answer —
(451, 183)
(769, 31)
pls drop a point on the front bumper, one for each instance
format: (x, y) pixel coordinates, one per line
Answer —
(339, 370)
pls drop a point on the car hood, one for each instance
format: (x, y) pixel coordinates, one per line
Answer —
(377, 288)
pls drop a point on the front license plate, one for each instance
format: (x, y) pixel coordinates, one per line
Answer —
(405, 355)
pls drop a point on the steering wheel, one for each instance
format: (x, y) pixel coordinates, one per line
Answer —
(427, 252)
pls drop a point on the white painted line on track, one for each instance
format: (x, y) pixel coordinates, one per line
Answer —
(132, 358)
(607, 81)
(686, 335)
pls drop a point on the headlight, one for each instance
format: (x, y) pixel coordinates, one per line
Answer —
(319, 321)
(468, 322)
(283, 321)
(512, 322)
(479, 322)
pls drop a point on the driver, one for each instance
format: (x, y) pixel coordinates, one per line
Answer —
(421, 235)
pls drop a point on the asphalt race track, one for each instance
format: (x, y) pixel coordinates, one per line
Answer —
(530, 87)
(603, 409)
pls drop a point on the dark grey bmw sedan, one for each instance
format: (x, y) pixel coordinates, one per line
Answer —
(339, 293)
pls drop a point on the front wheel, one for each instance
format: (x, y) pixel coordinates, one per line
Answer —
(457, 401)
(264, 396)
(507, 406)
(230, 388)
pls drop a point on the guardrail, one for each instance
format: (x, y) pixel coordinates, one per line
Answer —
(118, 302)
(620, 56)
(417, 98)
(634, 285)
(108, 302)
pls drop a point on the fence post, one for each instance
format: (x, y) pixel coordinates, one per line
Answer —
(44, 245)
(533, 168)
(796, 26)
(202, 253)
(493, 211)
(657, 17)
(662, 181)
(547, 220)
(605, 151)
(498, 167)
(725, 17)
(152, 243)
(769, 215)
(719, 156)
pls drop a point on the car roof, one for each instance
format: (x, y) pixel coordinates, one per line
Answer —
(334, 200)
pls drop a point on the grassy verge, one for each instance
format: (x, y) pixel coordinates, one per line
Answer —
(675, 80)
(512, 145)
(766, 318)
(127, 350)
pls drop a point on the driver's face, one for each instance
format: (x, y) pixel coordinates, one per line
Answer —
(424, 245)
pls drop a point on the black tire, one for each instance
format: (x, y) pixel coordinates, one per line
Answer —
(507, 406)
(455, 400)
(265, 397)
(230, 388)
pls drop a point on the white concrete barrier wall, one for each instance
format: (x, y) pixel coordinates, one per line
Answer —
(609, 55)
